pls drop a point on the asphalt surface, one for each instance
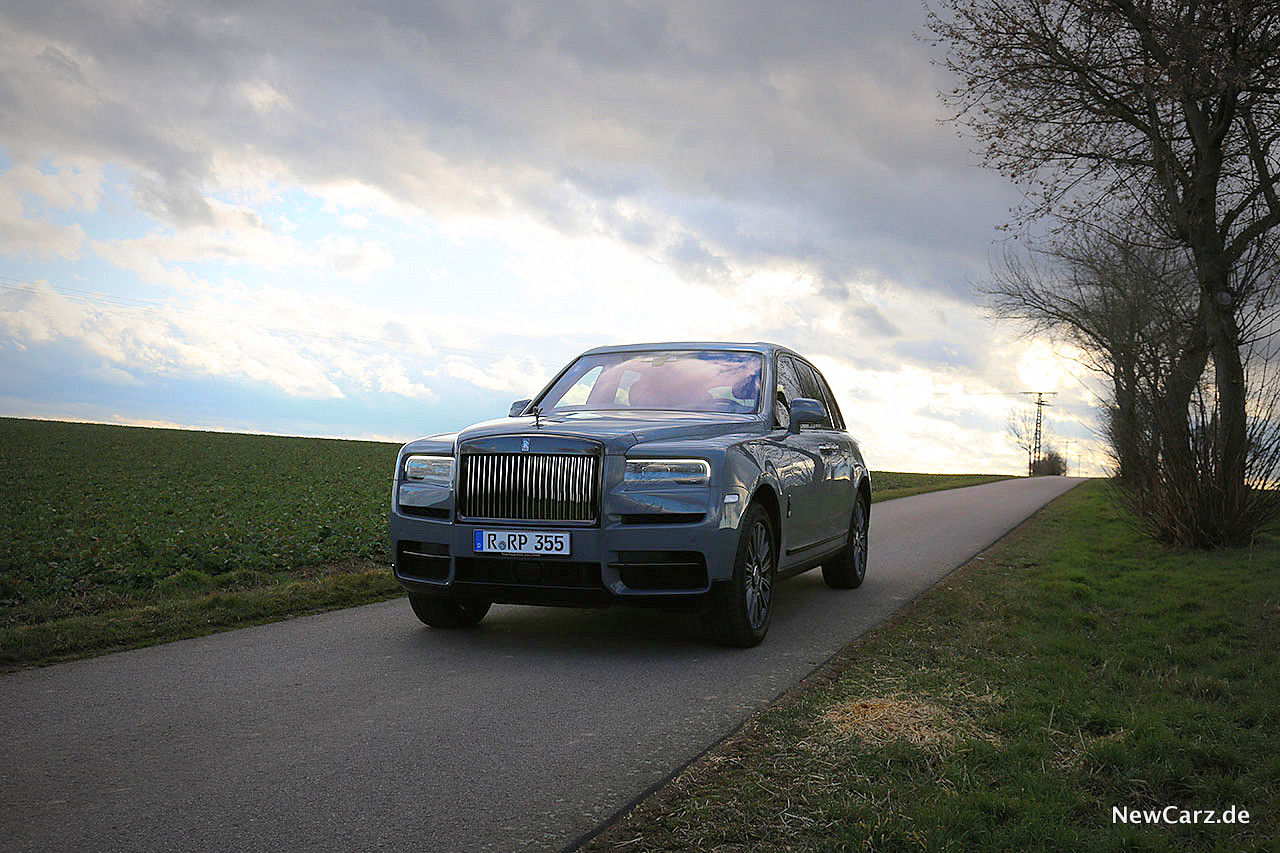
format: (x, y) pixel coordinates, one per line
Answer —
(361, 730)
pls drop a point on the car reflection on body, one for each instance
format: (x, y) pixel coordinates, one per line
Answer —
(648, 474)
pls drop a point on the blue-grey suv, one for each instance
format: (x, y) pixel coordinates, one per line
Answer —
(650, 474)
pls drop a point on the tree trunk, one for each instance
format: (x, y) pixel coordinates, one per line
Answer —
(1173, 426)
(1124, 422)
(1218, 317)
(1228, 374)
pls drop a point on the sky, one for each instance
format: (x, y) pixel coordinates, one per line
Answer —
(391, 219)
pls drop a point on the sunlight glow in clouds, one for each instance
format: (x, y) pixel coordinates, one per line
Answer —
(305, 221)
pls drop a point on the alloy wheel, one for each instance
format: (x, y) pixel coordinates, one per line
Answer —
(759, 575)
(858, 546)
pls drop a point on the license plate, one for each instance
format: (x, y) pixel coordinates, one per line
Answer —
(521, 542)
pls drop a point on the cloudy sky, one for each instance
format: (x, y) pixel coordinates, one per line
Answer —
(386, 219)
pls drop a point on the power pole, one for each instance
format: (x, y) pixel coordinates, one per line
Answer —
(1040, 403)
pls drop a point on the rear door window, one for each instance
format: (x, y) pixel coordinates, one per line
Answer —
(810, 388)
(830, 399)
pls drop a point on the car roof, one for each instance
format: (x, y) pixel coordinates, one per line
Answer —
(757, 346)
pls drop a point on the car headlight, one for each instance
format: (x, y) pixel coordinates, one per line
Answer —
(429, 469)
(667, 472)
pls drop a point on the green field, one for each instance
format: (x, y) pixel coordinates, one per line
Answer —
(114, 536)
(1072, 669)
(90, 509)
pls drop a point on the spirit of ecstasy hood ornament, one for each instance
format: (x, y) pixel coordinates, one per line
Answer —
(537, 417)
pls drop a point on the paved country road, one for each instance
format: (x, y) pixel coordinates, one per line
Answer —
(361, 730)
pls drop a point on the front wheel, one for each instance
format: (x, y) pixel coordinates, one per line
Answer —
(849, 568)
(745, 605)
(441, 612)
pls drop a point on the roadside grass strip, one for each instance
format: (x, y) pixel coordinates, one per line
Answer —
(174, 618)
(1073, 688)
(887, 485)
(113, 537)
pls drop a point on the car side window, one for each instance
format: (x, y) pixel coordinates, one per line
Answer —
(809, 388)
(788, 390)
(830, 399)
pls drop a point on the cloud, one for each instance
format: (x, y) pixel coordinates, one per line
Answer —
(357, 260)
(39, 237)
(228, 234)
(742, 131)
(524, 376)
(129, 341)
(871, 319)
(236, 235)
(28, 197)
(393, 380)
(112, 375)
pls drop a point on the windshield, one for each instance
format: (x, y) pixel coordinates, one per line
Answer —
(686, 381)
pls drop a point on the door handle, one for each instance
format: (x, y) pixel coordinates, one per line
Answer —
(829, 448)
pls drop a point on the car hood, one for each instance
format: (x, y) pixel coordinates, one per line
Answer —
(618, 431)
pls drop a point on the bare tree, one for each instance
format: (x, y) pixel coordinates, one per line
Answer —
(1128, 307)
(1131, 309)
(1021, 429)
(1164, 112)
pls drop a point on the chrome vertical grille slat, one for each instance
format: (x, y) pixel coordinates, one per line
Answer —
(490, 494)
(561, 503)
(528, 486)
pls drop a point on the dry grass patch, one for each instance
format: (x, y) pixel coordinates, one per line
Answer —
(880, 720)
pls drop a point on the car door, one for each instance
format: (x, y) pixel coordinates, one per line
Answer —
(836, 488)
(805, 519)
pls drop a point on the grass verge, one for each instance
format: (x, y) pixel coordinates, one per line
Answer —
(1071, 669)
(159, 620)
(887, 485)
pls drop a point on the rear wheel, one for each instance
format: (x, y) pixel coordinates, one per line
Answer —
(745, 605)
(849, 568)
(441, 612)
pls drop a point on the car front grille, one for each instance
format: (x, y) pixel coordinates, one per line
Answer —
(529, 486)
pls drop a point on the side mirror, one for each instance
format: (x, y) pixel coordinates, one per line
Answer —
(517, 408)
(806, 410)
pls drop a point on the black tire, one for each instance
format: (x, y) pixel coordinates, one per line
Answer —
(441, 612)
(744, 606)
(849, 569)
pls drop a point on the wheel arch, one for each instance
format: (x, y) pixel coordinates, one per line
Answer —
(766, 497)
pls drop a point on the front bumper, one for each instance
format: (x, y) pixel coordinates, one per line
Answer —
(616, 562)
